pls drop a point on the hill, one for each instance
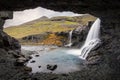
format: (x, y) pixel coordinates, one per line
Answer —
(44, 24)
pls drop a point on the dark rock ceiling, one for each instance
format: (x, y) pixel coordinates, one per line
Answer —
(95, 7)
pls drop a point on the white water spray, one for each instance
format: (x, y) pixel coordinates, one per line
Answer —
(70, 39)
(91, 41)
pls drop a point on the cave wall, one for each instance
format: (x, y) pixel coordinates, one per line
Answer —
(3, 16)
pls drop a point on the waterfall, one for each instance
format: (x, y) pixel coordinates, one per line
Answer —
(91, 41)
(70, 39)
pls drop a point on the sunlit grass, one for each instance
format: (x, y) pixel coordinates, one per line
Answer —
(51, 25)
(40, 27)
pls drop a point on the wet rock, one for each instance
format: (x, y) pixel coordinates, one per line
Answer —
(78, 35)
(37, 55)
(51, 67)
(20, 61)
(14, 53)
(33, 61)
(94, 60)
(97, 46)
(93, 53)
(27, 69)
(39, 66)
(28, 58)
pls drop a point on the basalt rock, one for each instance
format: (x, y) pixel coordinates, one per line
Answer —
(78, 36)
(3, 16)
(51, 67)
(20, 61)
(7, 42)
(34, 38)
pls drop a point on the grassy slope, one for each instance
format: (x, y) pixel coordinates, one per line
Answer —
(37, 27)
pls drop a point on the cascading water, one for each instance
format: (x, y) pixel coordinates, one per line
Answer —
(70, 39)
(91, 41)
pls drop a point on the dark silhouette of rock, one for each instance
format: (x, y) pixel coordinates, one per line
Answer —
(34, 38)
(27, 69)
(51, 67)
(14, 53)
(20, 61)
(33, 61)
(39, 66)
(37, 55)
(78, 36)
(9, 42)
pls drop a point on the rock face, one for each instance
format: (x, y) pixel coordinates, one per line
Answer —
(8, 43)
(79, 35)
(79, 6)
(3, 16)
(35, 38)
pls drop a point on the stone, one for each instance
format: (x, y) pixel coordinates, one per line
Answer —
(51, 67)
(33, 61)
(3, 16)
(27, 69)
(14, 53)
(35, 38)
(37, 55)
(20, 61)
(118, 58)
(9, 42)
(94, 60)
(39, 66)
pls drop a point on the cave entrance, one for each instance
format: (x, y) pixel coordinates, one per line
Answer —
(45, 31)
(33, 26)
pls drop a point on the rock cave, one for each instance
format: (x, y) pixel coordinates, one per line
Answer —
(101, 64)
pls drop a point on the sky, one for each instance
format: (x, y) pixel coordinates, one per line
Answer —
(21, 17)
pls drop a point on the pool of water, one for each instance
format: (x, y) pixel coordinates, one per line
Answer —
(65, 62)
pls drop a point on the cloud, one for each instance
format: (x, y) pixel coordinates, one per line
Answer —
(21, 17)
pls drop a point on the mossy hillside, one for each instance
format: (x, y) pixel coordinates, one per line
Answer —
(40, 27)
(55, 24)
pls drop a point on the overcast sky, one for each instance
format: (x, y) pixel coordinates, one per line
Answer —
(21, 17)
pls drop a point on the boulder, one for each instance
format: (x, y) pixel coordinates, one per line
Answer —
(20, 61)
(8, 42)
(14, 53)
(51, 67)
(27, 69)
(33, 61)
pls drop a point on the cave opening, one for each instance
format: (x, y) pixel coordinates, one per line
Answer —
(103, 63)
(40, 31)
